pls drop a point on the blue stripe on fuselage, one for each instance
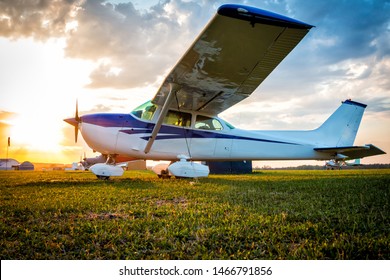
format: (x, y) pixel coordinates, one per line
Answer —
(108, 120)
(131, 125)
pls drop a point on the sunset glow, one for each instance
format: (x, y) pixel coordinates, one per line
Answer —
(36, 133)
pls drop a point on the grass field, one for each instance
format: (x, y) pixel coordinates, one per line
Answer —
(264, 215)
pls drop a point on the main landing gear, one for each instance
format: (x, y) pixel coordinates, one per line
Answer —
(181, 169)
(104, 171)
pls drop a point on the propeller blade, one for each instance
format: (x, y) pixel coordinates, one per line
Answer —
(77, 111)
(75, 122)
(76, 132)
(77, 119)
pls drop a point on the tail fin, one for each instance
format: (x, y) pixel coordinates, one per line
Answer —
(341, 127)
(356, 162)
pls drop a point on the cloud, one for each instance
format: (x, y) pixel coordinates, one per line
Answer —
(137, 47)
(132, 48)
(98, 108)
(39, 19)
(347, 29)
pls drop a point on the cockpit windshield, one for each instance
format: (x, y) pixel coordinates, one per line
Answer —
(229, 125)
(145, 111)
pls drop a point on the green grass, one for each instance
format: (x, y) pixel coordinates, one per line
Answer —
(266, 215)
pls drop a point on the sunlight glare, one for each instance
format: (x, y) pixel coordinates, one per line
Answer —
(36, 132)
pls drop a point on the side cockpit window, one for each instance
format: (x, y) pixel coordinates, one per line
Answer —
(207, 123)
(145, 111)
(178, 118)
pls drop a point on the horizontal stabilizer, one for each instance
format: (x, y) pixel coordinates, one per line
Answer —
(351, 152)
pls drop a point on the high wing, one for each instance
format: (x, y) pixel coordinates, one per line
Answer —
(351, 152)
(235, 52)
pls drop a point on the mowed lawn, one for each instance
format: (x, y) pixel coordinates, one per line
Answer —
(265, 215)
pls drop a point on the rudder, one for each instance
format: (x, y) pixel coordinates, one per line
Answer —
(341, 127)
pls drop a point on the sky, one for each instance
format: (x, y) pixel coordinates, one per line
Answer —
(112, 56)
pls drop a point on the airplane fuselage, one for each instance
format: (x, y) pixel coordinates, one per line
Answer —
(125, 134)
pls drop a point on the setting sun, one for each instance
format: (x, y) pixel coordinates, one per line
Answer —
(36, 133)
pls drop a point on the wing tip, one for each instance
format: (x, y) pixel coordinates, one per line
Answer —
(378, 150)
(256, 15)
(351, 102)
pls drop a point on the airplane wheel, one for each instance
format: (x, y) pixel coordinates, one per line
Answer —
(164, 175)
(100, 177)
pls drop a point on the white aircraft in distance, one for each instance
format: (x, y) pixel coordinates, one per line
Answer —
(235, 52)
(337, 164)
(87, 162)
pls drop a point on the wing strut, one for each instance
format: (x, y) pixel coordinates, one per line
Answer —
(173, 88)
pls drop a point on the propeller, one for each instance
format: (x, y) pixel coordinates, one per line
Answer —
(75, 122)
(78, 120)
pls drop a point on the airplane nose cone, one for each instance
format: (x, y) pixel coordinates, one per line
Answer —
(72, 121)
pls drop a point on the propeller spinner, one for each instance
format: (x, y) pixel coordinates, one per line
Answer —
(75, 122)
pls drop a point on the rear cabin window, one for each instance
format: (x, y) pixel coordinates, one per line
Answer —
(178, 118)
(208, 123)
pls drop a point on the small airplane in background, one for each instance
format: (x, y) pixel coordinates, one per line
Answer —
(232, 56)
(335, 164)
(87, 162)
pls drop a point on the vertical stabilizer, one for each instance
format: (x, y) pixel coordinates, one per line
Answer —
(341, 127)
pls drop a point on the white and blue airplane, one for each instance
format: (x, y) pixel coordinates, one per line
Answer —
(231, 57)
